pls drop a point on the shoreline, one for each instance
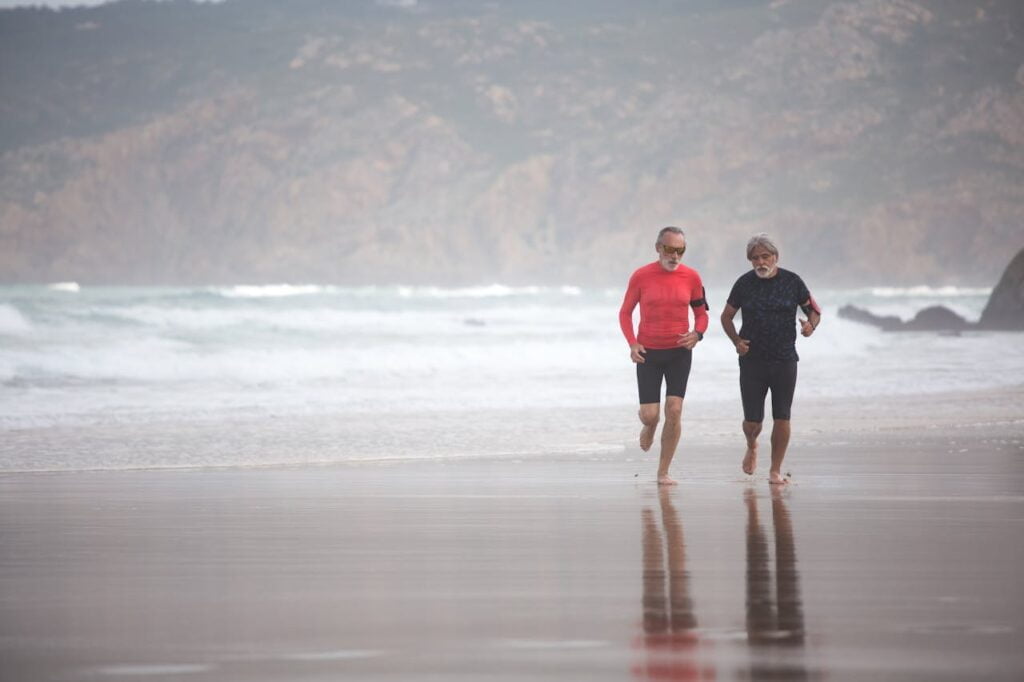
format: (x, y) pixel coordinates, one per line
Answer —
(894, 554)
(538, 569)
(570, 433)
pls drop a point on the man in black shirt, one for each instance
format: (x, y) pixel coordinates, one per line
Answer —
(766, 344)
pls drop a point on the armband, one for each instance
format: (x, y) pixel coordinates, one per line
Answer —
(702, 301)
(810, 306)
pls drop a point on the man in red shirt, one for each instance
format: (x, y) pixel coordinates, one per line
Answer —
(662, 347)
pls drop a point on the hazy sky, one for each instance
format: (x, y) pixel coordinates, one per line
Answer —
(50, 3)
(63, 3)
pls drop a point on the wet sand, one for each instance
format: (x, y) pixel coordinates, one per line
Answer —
(896, 554)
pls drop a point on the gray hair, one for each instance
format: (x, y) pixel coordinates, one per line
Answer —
(762, 239)
(673, 230)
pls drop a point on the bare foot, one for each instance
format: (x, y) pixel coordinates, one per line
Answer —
(647, 437)
(775, 478)
(750, 461)
(665, 479)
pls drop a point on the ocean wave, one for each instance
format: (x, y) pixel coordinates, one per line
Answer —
(12, 322)
(485, 291)
(924, 291)
(70, 287)
(271, 290)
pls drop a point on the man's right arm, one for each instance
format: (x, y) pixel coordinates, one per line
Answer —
(729, 327)
(629, 302)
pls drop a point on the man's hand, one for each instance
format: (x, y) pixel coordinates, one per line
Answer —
(636, 353)
(742, 347)
(688, 340)
(806, 328)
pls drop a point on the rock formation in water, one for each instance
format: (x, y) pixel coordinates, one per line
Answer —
(886, 322)
(936, 318)
(1005, 307)
(1004, 310)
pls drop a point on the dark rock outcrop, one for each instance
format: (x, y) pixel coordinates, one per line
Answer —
(1005, 308)
(936, 318)
(886, 322)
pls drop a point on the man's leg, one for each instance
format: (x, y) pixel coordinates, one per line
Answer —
(780, 441)
(670, 437)
(648, 382)
(753, 390)
(677, 374)
(783, 386)
(649, 418)
(751, 430)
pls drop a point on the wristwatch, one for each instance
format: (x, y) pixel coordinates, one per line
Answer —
(700, 335)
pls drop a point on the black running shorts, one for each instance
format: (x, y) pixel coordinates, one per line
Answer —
(670, 364)
(757, 377)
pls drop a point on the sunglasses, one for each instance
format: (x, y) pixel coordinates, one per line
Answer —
(679, 251)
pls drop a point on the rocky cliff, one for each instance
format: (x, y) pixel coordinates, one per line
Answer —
(522, 142)
(1005, 307)
(1004, 310)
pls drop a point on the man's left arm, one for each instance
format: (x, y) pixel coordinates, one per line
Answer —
(699, 303)
(813, 312)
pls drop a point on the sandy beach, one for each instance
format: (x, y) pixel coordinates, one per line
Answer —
(895, 554)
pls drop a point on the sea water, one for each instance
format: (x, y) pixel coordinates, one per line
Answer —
(80, 356)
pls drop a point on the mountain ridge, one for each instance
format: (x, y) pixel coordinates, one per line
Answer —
(450, 143)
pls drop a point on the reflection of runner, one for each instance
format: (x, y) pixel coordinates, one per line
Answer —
(777, 622)
(670, 644)
(662, 348)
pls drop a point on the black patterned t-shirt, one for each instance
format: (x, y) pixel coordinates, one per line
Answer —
(769, 313)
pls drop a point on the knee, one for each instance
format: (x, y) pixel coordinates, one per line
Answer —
(649, 416)
(673, 410)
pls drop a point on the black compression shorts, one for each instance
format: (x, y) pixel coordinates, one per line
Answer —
(757, 378)
(672, 364)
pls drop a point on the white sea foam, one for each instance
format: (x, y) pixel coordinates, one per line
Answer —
(360, 325)
(12, 322)
(430, 292)
(929, 292)
(70, 287)
(7, 370)
(487, 291)
(134, 355)
(271, 290)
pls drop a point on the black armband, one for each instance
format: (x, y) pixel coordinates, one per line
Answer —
(810, 306)
(702, 301)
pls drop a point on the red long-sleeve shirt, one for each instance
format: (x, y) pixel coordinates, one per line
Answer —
(664, 297)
